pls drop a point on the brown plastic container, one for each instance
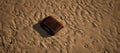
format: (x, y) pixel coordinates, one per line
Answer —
(51, 25)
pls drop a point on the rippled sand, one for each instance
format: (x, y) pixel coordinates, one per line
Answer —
(90, 26)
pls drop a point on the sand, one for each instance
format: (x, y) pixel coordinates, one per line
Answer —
(90, 26)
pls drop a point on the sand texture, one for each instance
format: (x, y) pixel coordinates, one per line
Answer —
(90, 26)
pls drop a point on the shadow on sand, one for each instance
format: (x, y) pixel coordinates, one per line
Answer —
(41, 31)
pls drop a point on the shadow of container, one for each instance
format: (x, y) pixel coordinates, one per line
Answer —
(40, 30)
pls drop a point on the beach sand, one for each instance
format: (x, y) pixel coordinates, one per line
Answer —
(90, 26)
